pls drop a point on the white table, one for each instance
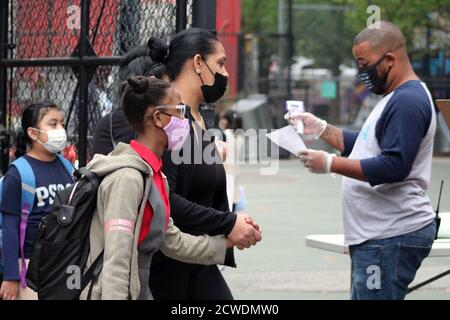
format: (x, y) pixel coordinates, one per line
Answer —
(335, 243)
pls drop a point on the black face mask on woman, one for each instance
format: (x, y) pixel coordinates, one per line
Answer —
(213, 93)
(373, 82)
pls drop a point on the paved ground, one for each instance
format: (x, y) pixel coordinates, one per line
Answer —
(293, 204)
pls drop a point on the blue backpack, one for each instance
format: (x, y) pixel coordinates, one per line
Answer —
(28, 180)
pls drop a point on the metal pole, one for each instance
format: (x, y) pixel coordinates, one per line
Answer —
(84, 83)
(290, 50)
(336, 103)
(181, 15)
(4, 134)
(282, 48)
(440, 276)
(60, 62)
(322, 7)
(204, 14)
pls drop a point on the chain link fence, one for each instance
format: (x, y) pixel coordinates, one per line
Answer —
(320, 70)
(50, 30)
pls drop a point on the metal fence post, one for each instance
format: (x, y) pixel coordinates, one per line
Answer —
(84, 83)
(204, 14)
(181, 15)
(290, 37)
(4, 135)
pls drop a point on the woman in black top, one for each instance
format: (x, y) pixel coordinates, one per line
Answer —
(197, 192)
(195, 62)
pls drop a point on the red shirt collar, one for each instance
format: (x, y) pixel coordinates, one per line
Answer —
(147, 155)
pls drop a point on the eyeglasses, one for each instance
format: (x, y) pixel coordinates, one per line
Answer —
(181, 108)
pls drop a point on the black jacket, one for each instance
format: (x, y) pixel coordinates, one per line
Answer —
(110, 131)
(191, 217)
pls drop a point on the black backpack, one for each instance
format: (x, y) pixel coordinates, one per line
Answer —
(62, 246)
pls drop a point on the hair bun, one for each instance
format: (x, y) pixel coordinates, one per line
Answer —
(139, 84)
(158, 50)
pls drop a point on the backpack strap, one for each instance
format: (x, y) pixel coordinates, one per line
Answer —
(27, 201)
(67, 164)
(1, 192)
(1, 223)
(92, 274)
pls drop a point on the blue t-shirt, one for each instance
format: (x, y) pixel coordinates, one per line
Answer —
(50, 178)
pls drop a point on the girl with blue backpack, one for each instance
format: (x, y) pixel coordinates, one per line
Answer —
(28, 190)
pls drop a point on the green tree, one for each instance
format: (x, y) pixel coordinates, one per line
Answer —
(327, 35)
(411, 16)
(259, 16)
(324, 31)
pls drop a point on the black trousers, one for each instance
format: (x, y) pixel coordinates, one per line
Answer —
(174, 280)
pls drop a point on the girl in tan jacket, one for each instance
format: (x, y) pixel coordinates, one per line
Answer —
(132, 220)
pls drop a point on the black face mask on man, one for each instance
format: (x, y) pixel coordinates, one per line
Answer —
(373, 82)
(213, 93)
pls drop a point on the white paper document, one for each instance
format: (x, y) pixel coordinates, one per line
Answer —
(288, 139)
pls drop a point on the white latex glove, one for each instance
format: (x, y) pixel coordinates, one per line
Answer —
(317, 161)
(313, 126)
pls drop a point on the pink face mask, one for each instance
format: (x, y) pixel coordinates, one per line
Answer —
(177, 132)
